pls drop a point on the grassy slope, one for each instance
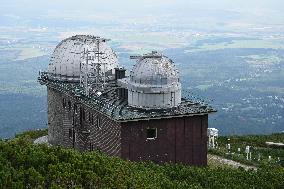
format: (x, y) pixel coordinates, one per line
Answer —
(258, 149)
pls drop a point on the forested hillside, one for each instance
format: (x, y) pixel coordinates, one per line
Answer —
(24, 165)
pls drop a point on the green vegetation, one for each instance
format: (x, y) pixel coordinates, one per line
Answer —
(24, 165)
(260, 152)
(32, 134)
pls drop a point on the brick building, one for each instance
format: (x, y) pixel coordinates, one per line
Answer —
(92, 105)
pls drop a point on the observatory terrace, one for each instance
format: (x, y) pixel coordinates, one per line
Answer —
(118, 109)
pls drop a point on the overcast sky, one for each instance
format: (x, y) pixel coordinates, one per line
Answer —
(256, 10)
(140, 5)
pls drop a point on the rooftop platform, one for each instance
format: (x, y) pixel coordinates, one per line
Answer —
(119, 110)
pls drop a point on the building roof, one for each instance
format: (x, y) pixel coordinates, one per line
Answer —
(118, 109)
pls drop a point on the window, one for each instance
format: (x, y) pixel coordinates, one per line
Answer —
(91, 147)
(73, 120)
(69, 105)
(70, 133)
(75, 109)
(98, 122)
(91, 118)
(82, 115)
(64, 103)
(151, 133)
(164, 81)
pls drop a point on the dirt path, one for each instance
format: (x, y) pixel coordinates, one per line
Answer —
(213, 159)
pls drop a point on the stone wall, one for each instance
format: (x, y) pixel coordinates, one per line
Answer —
(55, 117)
(75, 125)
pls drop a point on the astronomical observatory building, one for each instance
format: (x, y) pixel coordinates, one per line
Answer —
(93, 105)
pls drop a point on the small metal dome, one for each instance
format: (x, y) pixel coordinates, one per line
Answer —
(153, 83)
(69, 54)
(154, 69)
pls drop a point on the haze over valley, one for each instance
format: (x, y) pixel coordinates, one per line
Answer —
(229, 53)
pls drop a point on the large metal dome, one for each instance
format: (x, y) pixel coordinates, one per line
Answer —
(69, 54)
(153, 83)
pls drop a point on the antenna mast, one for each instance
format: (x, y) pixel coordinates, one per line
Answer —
(92, 77)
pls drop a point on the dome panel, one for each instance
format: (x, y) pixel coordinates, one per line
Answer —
(69, 54)
(153, 83)
(154, 69)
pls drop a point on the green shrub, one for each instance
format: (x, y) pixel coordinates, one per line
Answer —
(24, 165)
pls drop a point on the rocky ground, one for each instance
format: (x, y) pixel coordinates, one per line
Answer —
(220, 161)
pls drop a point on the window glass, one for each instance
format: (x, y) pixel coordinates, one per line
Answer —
(98, 122)
(64, 103)
(70, 134)
(151, 133)
(69, 105)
